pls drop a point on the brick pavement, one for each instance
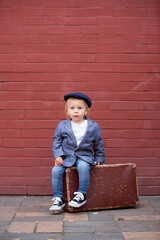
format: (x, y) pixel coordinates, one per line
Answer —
(28, 218)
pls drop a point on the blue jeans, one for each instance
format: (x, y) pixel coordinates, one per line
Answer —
(83, 169)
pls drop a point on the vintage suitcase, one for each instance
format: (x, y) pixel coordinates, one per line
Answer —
(111, 186)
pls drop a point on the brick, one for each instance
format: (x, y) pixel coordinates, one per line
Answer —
(99, 67)
(4, 162)
(126, 106)
(152, 12)
(24, 162)
(79, 21)
(28, 181)
(133, 143)
(129, 12)
(149, 181)
(13, 57)
(34, 67)
(10, 21)
(140, 4)
(150, 152)
(149, 190)
(37, 172)
(2, 124)
(36, 134)
(9, 133)
(21, 227)
(66, 39)
(139, 217)
(122, 29)
(9, 114)
(13, 190)
(45, 21)
(76, 217)
(141, 235)
(40, 190)
(56, 48)
(146, 58)
(50, 227)
(121, 124)
(129, 133)
(27, 143)
(152, 171)
(151, 124)
(10, 39)
(5, 181)
(136, 67)
(102, 20)
(31, 214)
(46, 114)
(128, 39)
(21, 124)
(144, 162)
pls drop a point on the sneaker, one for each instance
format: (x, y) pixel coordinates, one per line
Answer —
(78, 201)
(58, 204)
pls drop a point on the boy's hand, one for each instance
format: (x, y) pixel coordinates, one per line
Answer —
(58, 161)
(97, 163)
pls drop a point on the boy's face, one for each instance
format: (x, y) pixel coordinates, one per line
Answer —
(76, 110)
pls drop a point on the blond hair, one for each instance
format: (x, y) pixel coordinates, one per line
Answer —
(71, 99)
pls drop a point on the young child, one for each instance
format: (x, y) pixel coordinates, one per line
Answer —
(77, 142)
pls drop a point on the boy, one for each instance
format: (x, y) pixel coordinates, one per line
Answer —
(77, 142)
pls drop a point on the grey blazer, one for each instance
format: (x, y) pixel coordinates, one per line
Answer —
(90, 149)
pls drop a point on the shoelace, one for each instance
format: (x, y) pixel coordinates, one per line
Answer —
(56, 200)
(79, 196)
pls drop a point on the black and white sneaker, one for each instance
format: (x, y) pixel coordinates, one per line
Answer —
(78, 201)
(58, 204)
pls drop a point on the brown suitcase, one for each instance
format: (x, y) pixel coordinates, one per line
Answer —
(111, 186)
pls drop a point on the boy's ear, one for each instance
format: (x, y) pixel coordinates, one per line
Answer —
(86, 111)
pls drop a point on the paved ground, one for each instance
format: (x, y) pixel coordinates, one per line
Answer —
(28, 218)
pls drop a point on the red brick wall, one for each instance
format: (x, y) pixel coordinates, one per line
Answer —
(108, 49)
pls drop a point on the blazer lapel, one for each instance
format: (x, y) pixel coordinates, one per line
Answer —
(70, 131)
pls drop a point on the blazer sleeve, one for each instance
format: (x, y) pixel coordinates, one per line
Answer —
(98, 147)
(57, 143)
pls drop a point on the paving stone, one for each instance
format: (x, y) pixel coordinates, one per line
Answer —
(29, 208)
(32, 236)
(109, 236)
(78, 236)
(11, 200)
(32, 214)
(139, 217)
(50, 227)
(41, 218)
(132, 226)
(21, 227)
(3, 227)
(37, 200)
(76, 217)
(144, 208)
(6, 216)
(101, 216)
(141, 235)
(142, 222)
(90, 226)
(1, 236)
(153, 225)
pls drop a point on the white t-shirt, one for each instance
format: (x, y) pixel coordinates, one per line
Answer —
(79, 130)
